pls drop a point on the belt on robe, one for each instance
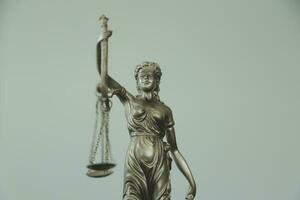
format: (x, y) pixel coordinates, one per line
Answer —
(135, 134)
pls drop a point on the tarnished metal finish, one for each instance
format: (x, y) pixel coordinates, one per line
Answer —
(103, 167)
(152, 137)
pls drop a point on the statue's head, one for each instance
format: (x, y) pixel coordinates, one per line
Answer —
(147, 77)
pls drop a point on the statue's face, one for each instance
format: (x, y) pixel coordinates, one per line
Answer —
(146, 79)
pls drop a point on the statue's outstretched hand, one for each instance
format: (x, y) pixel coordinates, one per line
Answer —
(104, 90)
(191, 193)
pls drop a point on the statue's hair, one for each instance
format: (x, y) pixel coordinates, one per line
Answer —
(157, 73)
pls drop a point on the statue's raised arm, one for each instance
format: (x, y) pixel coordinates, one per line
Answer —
(108, 86)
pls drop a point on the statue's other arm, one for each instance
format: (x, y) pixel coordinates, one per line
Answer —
(180, 161)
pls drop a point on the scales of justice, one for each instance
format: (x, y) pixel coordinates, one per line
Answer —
(152, 146)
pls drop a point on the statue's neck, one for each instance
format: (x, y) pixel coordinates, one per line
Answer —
(148, 96)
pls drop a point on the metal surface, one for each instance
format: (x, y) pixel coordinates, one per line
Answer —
(151, 129)
(103, 106)
(101, 166)
(98, 173)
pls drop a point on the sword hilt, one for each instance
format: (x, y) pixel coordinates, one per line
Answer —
(103, 55)
(105, 33)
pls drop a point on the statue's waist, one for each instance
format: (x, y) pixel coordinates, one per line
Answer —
(136, 134)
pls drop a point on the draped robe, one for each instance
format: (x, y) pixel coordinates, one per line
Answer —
(147, 165)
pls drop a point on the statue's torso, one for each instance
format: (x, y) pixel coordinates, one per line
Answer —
(148, 117)
(147, 123)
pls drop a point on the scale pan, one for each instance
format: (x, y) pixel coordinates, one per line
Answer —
(98, 174)
(101, 166)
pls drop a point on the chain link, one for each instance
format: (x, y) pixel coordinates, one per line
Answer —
(103, 105)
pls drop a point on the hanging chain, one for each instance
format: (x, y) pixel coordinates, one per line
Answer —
(106, 104)
(97, 133)
(103, 105)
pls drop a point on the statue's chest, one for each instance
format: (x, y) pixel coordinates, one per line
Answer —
(153, 112)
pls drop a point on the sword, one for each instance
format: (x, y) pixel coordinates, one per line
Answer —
(102, 60)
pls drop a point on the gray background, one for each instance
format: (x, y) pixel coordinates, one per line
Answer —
(230, 74)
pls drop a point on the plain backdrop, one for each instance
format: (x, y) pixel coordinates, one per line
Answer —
(230, 74)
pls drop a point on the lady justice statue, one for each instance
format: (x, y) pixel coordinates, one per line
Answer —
(151, 129)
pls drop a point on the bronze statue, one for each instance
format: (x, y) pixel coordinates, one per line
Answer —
(151, 129)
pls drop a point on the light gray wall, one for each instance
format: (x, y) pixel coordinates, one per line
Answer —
(230, 74)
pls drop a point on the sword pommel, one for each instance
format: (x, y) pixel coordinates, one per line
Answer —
(105, 33)
(103, 21)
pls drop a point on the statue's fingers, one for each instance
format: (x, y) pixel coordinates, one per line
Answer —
(189, 197)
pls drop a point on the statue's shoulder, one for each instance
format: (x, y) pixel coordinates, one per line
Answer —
(166, 107)
(169, 121)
